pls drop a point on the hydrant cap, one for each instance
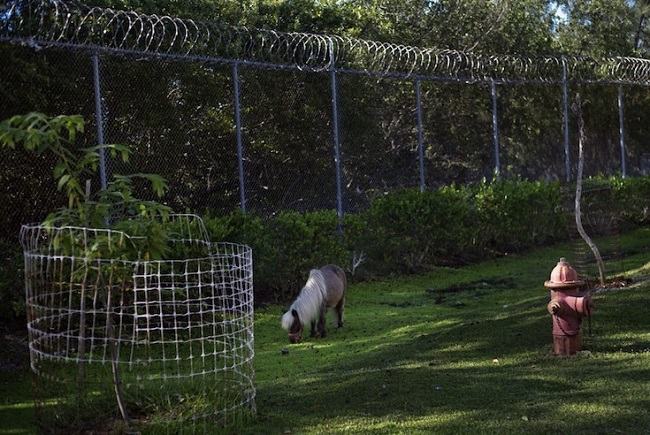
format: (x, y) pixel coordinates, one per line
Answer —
(563, 276)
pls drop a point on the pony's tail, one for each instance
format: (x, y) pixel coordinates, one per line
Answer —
(287, 320)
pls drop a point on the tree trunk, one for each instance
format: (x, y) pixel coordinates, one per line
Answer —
(578, 213)
(639, 31)
(112, 343)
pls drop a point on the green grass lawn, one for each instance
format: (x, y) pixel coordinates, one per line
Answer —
(476, 361)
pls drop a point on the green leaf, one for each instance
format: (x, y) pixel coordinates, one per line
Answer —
(158, 183)
(64, 179)
(59, 169)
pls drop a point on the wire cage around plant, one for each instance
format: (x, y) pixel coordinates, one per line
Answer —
(162, 342)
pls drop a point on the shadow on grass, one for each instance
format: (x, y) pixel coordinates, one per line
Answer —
(16, 405)
(488, 370)
(496, 398)
(405, 364)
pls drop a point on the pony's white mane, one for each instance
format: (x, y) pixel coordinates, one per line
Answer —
(309, 301)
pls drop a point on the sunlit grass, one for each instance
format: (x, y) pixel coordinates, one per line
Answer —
(478, 362)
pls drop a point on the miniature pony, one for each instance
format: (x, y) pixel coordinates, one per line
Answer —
(325, 288)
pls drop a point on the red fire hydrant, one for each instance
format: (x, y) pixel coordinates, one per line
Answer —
(568, 305)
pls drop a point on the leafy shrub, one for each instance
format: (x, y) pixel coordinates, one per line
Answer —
(115, 206)
(512, 215)
(632, 195)
(409, 231)
(285, 247)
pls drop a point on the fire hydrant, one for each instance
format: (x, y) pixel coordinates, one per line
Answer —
(568, 305)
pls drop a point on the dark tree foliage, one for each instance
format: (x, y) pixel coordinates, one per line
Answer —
(179, 116)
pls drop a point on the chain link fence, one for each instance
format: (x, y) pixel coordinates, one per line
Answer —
(54, 82)
(267, 121)
(180, 118)
(177, 117)
(286, 131)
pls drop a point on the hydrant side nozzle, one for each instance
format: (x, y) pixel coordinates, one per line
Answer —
(582, 305)
(554, 307)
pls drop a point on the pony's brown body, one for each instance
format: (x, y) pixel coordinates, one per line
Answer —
(324, 289)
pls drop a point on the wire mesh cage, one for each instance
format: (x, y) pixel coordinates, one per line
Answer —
(168, 338)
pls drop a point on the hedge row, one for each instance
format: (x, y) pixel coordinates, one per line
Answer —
(402, 232)
(410, 231)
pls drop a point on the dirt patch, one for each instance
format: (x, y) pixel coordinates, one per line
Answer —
(398, 304)
(478, 287)
(617, 283)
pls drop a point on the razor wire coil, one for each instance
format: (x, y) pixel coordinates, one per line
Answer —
(74, 24)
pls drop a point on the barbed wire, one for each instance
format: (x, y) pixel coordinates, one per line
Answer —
(62, 22)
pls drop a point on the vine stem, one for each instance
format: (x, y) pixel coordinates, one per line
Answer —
(578, 212)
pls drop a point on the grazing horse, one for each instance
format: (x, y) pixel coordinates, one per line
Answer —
(325, 288)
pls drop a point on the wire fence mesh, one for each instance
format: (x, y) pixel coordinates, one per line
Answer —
(175, 334)
(53, 82)
(287, 132)
(543, 156)
(269, 121)
(457, 130)
(378, 137)
(179, 118)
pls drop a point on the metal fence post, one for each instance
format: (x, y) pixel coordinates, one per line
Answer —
(565, 118)
(621, 130)
(418, 110)
(337, 151)
(495, 129)
(99, 120)
(240, 151)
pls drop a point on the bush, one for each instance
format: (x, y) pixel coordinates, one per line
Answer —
(402, 232)
(408, 231)
(512, 215)
(632, 195)
(285, 247)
